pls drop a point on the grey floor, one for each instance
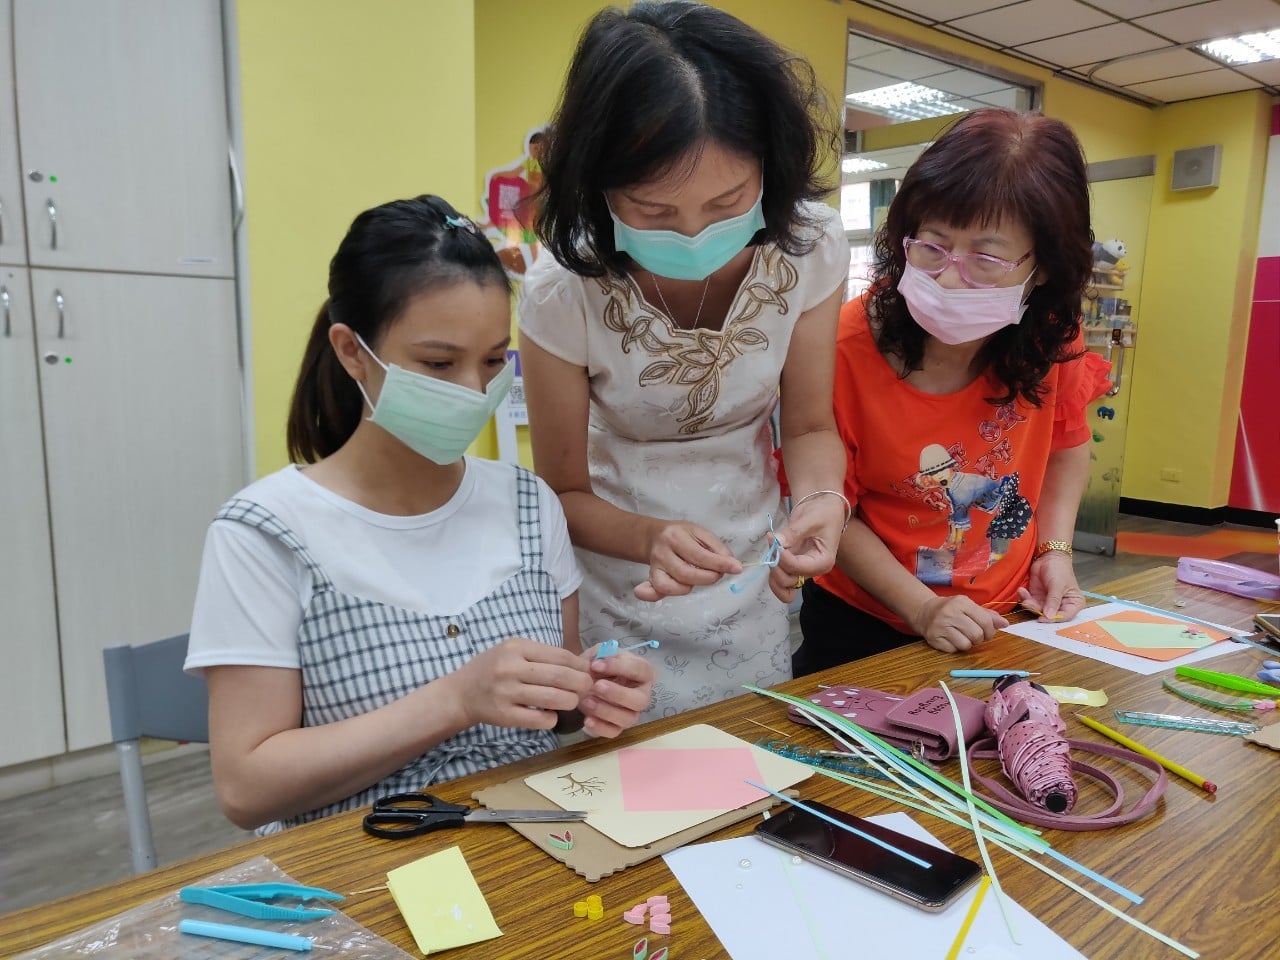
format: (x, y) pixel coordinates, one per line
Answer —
(73, 838)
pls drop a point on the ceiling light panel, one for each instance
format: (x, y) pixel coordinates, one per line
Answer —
(1250, 48)
(1220, 18)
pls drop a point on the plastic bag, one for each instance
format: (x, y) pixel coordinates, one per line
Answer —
(150, 931)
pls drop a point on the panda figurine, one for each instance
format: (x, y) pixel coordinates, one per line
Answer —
(1109, 253)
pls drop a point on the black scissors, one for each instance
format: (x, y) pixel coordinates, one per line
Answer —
(403, 815)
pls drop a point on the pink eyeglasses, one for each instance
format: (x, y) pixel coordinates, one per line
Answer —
(976, 269)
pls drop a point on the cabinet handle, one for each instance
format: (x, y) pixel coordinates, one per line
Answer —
(1115, 356)
(237, 213)
(62, 313)
(4, 299)
(1, 223)
(53, 222)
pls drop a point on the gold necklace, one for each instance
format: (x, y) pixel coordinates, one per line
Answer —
(703, 299)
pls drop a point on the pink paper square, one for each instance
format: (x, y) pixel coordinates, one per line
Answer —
(706, 779)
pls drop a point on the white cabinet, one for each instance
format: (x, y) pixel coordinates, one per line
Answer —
(124, 135)
(30, 690)
(120, 383)
(12, 247)
(140, 386)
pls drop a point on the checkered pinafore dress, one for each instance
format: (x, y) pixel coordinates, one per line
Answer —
(357, 655)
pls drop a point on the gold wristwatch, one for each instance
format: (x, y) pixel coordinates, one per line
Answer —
(1062, 546)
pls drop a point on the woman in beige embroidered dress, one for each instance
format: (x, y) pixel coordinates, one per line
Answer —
(694, 281)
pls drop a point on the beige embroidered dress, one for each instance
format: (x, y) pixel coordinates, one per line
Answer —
(679, 428)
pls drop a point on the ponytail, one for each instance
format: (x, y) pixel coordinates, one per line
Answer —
(326, 405)
(390, 254)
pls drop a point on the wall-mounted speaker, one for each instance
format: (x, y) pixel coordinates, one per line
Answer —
(1196, 167)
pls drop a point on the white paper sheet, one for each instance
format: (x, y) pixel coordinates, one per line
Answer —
(1047, 633)
(777, 907)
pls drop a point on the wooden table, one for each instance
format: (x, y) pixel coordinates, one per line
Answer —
(1207, 865)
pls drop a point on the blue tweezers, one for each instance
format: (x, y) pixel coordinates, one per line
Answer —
(248, 900)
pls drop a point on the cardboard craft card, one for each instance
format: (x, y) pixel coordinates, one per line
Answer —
(1144, 634)
(593, 855)
(639, 794)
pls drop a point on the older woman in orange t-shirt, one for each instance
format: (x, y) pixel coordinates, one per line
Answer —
(961, 394)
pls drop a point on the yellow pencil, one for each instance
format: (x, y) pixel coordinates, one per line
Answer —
(1133, 745)
(969, 918)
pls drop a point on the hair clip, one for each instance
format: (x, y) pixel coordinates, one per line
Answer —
(459, 222)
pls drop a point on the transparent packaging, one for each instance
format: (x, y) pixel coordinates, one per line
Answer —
(150, 931)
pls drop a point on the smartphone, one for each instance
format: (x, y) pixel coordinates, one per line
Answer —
(931, 888)
(1269, 623)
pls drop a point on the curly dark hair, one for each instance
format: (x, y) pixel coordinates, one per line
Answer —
(646, 89)
(995, 165)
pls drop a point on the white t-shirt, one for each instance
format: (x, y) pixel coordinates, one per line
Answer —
(253, 589)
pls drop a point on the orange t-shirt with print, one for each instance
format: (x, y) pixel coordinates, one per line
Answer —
(950, 482)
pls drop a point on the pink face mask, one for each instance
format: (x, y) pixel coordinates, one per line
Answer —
(959, 316)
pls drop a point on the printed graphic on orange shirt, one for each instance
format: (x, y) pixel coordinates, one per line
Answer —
(959, 558)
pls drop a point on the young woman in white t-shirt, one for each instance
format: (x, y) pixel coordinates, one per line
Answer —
(387, 613)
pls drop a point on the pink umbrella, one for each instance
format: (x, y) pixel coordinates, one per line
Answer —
(1029, 735)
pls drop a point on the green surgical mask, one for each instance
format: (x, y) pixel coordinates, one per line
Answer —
(432, 417)
(671, 254)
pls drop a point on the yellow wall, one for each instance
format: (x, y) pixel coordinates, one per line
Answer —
(1195, 315)
(346, 105)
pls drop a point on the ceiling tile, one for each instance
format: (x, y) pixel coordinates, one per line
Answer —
(896, 62)
(965, 83)
(1128, 9)
(1168, 63)
(941, 10)
(1268, 71)
(860, 46)
(1219, 18)
(857, 80)
(1090, 46)
(1031, 20)
(1194, 85)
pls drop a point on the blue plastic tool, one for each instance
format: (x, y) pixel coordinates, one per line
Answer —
(260, 938)
(248, 900)
(1270, 671)
(992, 674)
(610, 647)
(767, 562)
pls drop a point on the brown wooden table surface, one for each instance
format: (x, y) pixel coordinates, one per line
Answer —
(1208, 866)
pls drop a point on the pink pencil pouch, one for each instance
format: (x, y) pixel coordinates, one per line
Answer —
(1229, 578)
(920, 723)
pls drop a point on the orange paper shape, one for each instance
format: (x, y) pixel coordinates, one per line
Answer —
(1144, 634)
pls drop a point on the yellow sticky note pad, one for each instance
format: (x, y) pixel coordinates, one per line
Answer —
(441, 903)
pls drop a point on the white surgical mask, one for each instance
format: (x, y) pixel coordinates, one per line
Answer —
(432, 417)
(963, 315)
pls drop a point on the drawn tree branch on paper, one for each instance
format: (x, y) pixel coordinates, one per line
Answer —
(582, 788)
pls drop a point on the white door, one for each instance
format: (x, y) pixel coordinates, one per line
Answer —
(122, 117)
(141, 390)
(30, 686)
(12, 248)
